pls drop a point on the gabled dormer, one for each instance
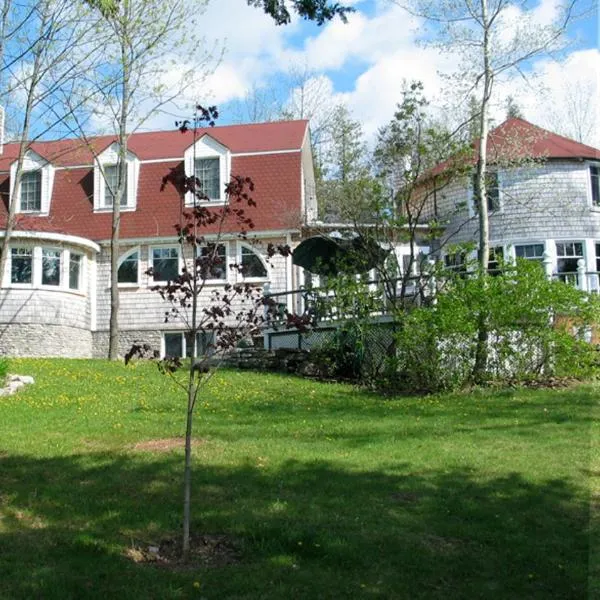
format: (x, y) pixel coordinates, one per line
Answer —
(106, 179)
(37, 180)
(210, 162)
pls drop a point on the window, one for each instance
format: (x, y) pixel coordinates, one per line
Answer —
(567, 256)
(207, 171)
(598, 258)
(74, 271)
(493, 191)
(496, 258)
(50, 267)
(31, 191)
(456, 262)
(107, 167)
(111, 185)
(252, 265)
(173, 344)
(165, 264)
(214, 262)
(530, 252)
(595, 183)
(180, 344)
(21, 265)
(129, 268)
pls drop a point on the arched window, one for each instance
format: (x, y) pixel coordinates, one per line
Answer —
(129, 268)
(252, 264)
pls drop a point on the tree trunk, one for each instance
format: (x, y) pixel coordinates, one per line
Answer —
(187, 471)
(113, 341)
(481, 199)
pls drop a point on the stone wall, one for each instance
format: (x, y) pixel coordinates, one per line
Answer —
(282, 360)
(48, 340)
(126, 340)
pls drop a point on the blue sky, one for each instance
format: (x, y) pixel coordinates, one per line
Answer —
(363, 63)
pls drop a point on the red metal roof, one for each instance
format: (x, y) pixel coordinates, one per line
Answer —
(277, 178)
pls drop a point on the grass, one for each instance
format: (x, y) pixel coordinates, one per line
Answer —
(328, 491)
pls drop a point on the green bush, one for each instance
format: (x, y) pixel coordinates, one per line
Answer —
(537, 328)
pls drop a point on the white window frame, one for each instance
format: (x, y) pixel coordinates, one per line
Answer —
(590, 196)
(228, 259)
(122, 259)
(151, 280)
(110, 158)
(68, 256)
(16, 246)
(208, 147)
(34, 162)
(265, 278)
(61, 268)
(163, 345)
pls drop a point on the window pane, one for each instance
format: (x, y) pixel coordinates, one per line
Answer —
(111, 184)
(598, 257)
(205, 341)
(20, 269)
(251, 264)
(215, 264)
(595, 181)
(50, 267)
(31, 191)
(567, 256)
(493, 190)
(74, 271)
(165, 262)
(496, 256)
(174, 344)
(207, 172)
(128, 269)
(530, 251)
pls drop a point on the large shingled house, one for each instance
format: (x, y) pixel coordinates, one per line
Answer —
(56, 298)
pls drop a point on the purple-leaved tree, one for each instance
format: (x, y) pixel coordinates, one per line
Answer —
(214, 320)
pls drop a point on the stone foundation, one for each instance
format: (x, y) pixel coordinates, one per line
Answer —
(126, 340)
(44, 341)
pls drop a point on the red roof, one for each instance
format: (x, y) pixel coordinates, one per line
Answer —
(257, 137)
(276, 175)
(517, 139)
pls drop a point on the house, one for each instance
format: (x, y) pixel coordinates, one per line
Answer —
(544, 202)
(55, 299)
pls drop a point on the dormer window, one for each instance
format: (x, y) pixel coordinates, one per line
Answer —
(106, 180)
(37, 177)
(31, 191)
(111, 185)
(208, 173)
(210, 162)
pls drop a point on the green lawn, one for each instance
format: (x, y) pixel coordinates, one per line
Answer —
(328, 492)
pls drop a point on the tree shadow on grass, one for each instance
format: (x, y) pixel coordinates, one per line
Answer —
(306, 530)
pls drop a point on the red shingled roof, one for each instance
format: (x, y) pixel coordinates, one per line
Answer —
(257, 137)
(516, 139)
(273, 163)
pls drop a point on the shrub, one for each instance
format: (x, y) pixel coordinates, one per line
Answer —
(537, 327)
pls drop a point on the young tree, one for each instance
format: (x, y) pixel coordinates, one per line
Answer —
(216, 319)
